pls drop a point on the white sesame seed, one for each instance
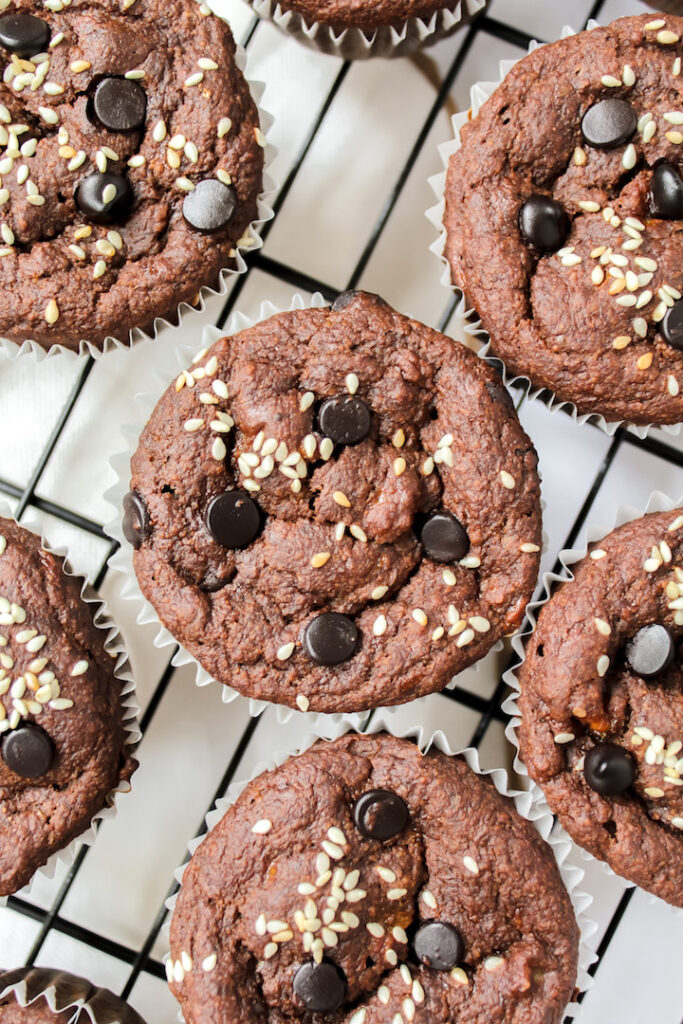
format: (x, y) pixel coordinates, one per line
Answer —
(352, 383)
(492, 963)
(611, 82)
(667, 38)
(564, 737)
(285, 652)
(602, 665)
(471, 865)
(262, 827)
(507, 479)
(209, 962)
(375, 929)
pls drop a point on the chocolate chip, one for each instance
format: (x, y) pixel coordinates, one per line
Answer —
(666, 192)
(543, 223)
(321, 988)
(233, 519)
(343, 300)
(499, 393)
(444, 538)
(672, 325)
(380, 814)
(608, 769)
(119, 104)
(135, 523)
(345, 419)
(609, 123)
(209, 206)
(95, 198)
(650, 651)
(438, 945)
(331, 638)
(28, 751)
(24, 34)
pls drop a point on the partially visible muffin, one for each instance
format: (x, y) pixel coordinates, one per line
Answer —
(364, 881)
(563, 216)
(336, 508)
(131, 162)
(64, 747)
(602, 703)
(31, 985)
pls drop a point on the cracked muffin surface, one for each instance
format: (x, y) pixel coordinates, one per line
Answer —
(336, 508)
(563, 213)
(63, 743)
(364, 880)
(602, 703)
(131, 162)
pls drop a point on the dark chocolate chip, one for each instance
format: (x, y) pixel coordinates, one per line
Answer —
(93, 197)
(24, 34)
(672, 325)
(438, 945)
(666, 192)
(650, 651)
(233, 519)
(345, 419)
(499, 393)
(135, 523)
(608, 769)
(331, 638)
(28, 751)
(444, 538)
(321, 988)
(380, 814)
(209, 206)
(343, 300)
(119, 104)
(609, 123)
(543, 223)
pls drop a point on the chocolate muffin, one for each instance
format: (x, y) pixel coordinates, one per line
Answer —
(131, 161)
(63, 743)
(336, 508)
(563, 212)
(340, 14)
(75, 1000)
(364, 880)
(602, 703)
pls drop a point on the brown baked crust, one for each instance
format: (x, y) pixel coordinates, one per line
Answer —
(343, 14)
(41, 816)
(548, 321)
(162, 260)
(236, 611)
(66, 990)
(509, 903)
(36, 1013)
(633, 832)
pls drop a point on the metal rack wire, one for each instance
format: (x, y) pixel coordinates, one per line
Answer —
(141, 960)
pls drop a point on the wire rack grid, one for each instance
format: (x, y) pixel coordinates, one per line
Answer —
(356, 145)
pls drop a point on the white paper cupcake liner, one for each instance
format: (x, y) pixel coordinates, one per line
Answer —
(114, 645)
(657, 502)
(172, 359)
(356, 44)
(479, 93)
(526, 806)
(184, 312)
(63, 992)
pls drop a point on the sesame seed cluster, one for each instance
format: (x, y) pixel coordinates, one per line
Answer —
(61, 732)
(336, 526)
(592, 126)
(310, 889)
(603, 672)
(93, 199)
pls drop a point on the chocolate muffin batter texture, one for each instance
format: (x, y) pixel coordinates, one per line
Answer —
(336, 574)
(63, 745)
(582, 141)
(131, 162)
(293, 908)
(342, 14)
(602, 703)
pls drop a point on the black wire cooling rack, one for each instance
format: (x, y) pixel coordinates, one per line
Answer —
(140, 960)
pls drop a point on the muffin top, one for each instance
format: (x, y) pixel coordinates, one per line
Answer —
(563, 219)
(343, 14)
(130, 164)
(100, 1006)
(63, 745)
(602, 703)
(336, 508)
(363, 881)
